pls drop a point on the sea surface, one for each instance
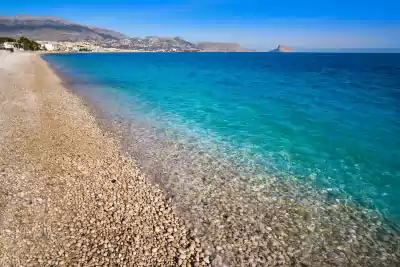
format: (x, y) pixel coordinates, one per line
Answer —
(331, 121)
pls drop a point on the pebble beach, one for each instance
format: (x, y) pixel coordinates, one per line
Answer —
(75, 193)
(68, 197)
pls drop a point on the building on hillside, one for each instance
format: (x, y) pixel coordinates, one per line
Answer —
(49, 47)
(8, 45)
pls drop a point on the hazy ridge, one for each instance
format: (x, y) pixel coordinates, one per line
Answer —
(58, 29)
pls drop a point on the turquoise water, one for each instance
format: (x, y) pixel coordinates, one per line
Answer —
(332, 120)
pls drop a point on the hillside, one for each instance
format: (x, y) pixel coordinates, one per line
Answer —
(151, 43)
(221, 47)
(58, 30)
(283, 49)
(53, 29)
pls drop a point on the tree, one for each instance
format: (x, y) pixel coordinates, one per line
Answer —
(27, 44)
(7, 39)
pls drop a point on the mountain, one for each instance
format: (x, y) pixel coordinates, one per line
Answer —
(172, 44)
(221, 47)
(282, 49)
(53, 29)
(151, 43)
(57, 29)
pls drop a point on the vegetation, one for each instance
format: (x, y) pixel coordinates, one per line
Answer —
(23, 43)
(7, 39)
(27, 44)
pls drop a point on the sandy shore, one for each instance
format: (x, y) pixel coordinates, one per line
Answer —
(67, 195)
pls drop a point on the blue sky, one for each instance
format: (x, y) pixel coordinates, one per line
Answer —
(253, 23)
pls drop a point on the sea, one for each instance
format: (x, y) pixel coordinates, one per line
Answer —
(330, 121)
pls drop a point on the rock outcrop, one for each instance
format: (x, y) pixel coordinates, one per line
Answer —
(283, 49)
(221, 47)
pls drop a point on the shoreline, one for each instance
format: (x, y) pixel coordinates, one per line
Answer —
(68, 158)
(248, 222)
(68, 195)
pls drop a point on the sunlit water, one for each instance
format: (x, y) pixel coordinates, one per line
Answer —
(331, 120)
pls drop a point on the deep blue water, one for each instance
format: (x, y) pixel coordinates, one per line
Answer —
(332, 120)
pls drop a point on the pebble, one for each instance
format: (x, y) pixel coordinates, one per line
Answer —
(262, 224)
(92, 204)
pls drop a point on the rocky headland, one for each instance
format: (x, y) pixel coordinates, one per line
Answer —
(282, 49)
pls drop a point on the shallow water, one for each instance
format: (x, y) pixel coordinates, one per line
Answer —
(271, 159)
(330, 120)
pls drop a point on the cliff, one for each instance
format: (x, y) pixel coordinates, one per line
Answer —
(282, 49)
(221, 47)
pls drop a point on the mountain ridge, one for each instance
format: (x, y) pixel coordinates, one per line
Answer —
(53, 29)
(49, 28)
(221, 47)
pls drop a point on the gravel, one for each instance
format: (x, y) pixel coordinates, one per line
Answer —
(72, 194)
(68, 196)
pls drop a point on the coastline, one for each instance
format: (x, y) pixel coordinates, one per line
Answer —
(68, 195)
(236, 224)
(248, 221)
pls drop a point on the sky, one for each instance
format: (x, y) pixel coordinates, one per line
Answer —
(256, 24)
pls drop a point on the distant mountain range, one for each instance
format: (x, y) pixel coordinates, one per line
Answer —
(57, 29)
(221, 47)
(53, 29)
(151, 43)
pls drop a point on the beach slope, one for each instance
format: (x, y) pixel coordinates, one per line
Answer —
(67, 195)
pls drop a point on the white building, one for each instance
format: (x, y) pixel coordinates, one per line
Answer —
(49, 47)
(8, 45)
